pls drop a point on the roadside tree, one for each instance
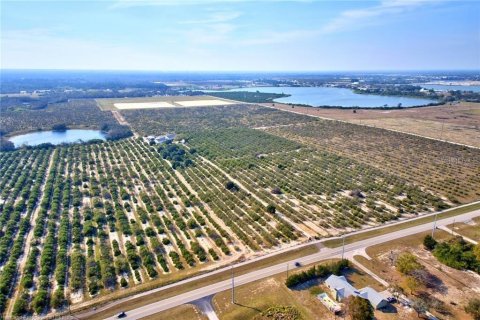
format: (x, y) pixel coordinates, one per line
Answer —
(359, 308)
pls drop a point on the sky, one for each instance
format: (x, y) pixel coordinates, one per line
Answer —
(240, 35)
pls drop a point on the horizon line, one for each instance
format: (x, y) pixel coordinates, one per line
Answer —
(240, 71)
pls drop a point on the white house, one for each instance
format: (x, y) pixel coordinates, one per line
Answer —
(160, 139)
(341, 289)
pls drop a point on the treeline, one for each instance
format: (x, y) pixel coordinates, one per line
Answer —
(116, 131)
(399, 90)
(319, 271)
(250, 97)
(72, 114)
(455, 253)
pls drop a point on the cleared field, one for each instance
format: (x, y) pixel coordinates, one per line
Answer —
(143, 105)
(204, 103)
(458, 123)
(161, 102)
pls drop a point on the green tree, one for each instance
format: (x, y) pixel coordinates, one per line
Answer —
(473, 308)
(429, 243)
(411, 284)
(407, 263)
(230, 185)
(21, 304)
(271, 209)
(419, 305)
(476, 251)
(359, 308)
(123, 283)
(6, 145)
(58, 299)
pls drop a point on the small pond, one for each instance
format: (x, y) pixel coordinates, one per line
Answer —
(56, 137)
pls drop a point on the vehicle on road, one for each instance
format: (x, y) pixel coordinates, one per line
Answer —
(122, 315)
(298, 264)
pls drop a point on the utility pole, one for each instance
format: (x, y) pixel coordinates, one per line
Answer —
(233, 288)
(343, 246)
(434, 224)
(453, 227)
(287, 270)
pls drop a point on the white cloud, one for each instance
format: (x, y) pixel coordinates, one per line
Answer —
(277, 37)
(372, 15)
(216, 17)
(209, 34)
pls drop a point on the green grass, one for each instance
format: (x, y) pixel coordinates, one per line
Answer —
(377, 232)
(469, 231)
(183, 312)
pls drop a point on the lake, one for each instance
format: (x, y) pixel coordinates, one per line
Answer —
(442, 87)
(55, 137)
(327, 96)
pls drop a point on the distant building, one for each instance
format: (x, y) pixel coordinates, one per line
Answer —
(160, 139)
(341, 289)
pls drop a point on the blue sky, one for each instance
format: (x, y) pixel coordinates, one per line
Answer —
(268, 35)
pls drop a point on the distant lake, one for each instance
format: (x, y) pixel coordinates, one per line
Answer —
(54, 137)
(441, 87)
(327, 96)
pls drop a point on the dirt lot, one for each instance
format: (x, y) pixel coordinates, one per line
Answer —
(450, 286)
(458, 123)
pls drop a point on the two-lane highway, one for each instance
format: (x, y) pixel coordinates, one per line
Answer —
(323, 254)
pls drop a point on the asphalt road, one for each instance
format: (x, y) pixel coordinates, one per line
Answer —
(323, 254)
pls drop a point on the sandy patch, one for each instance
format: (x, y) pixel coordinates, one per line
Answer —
(143, 105)
(203, 103)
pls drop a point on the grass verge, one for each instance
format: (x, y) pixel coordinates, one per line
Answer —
(466, 230)
(183, 312)
(407, 224)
